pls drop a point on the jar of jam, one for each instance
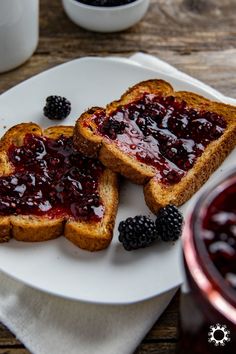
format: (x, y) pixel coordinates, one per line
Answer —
(208, 299)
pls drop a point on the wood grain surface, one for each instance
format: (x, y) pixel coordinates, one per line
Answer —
(196, 36)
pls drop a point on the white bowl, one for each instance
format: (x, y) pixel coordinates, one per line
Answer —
(105, 19)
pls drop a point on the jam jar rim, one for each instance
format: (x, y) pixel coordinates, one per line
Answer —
(205, 275)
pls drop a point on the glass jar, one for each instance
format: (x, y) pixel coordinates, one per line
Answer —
(208, 299)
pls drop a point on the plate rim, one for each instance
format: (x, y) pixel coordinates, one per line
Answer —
(120, 61)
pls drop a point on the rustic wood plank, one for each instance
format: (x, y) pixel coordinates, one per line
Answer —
(182, 32)
(7, 338)
(14, 351)
(173, 24)
(214, 68)
(155, 348)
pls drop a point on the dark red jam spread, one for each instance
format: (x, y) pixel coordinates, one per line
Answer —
(162, 132)
(219, 233)
(51, 178)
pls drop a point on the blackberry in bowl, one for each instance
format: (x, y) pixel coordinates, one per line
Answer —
(105, 15)
(105, 3)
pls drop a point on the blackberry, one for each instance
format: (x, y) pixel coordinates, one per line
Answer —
(169, 223)
(137, 232)
(105, 3)
(57, 107)
(113, 127)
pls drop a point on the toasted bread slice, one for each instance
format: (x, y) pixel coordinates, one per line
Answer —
(91, 235)
(89, 140)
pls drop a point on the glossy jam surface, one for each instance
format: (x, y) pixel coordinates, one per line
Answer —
(51, 178)
(219, 233)
(162, 132)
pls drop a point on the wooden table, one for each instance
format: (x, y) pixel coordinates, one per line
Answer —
(197, 36)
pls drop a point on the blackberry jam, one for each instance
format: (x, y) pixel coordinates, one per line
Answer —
(51, 178)
(219, 234)
(208, 300)
(162, 132)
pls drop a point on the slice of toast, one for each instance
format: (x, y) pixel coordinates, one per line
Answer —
(91, 138)
(87, 233)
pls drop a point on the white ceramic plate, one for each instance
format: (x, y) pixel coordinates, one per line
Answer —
(112, 276)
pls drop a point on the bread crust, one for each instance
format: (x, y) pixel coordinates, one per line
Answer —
(156, 193)
(91, 236)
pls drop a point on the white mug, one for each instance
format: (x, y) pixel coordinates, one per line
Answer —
(19, 32)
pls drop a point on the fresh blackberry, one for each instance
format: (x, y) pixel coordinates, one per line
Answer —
(57, 107)
(137, 232)
(169, 223)
(113, 127)
(105, 3)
